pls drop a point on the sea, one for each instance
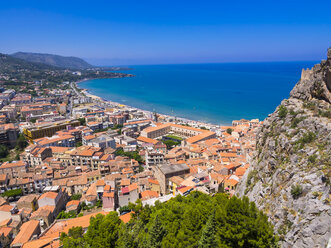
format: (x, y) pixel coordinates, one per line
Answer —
(212, 93)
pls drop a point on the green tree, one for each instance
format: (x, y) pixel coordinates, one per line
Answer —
(229, 130)
(76, 196)
(82, 121)
(33, 120)
(74, 238)
(208, 238)
(103, 230)
(156, 234)
(191, 221)
(126, 239)
(3, 151)
(78, 144)
(21, 142)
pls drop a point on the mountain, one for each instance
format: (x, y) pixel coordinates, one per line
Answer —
(9, 64)
(289, 176)
(53, 60)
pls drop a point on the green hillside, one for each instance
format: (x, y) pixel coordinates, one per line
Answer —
(53, 60)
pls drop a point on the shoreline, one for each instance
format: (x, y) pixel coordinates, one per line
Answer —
(181, 120)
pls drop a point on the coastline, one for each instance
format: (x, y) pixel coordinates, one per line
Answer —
(177, 119)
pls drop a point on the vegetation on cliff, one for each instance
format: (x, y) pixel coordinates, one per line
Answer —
(197, 220)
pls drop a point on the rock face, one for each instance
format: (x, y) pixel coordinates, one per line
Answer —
(289, 177)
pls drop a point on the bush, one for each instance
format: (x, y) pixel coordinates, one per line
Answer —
(251, 175)
(282, 111)
(312, 158)
(296, 191)
(307, 138)
(295, 121)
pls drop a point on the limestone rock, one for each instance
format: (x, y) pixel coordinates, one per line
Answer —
(290, 174)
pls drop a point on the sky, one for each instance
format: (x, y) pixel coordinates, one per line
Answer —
(168, 32)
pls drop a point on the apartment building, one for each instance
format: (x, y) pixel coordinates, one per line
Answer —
(48, 129)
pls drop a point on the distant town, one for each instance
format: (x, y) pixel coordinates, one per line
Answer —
(68, 155)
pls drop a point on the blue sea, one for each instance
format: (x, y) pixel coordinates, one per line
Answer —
(212, 93)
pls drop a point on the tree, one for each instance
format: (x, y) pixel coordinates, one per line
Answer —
(76, 196)
(21, 142)
(78, 144)
(12, 192)
(82, 121)
(33, 120)
(156, 234)
(3, 151)
(170, 143)
(229, 130)
(208, 238)
(74, 238)
(125, 238)
(196, 220)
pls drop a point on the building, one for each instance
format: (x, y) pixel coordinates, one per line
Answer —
(164, 172)
(28, 201)
(108, 199)
(102, 141)
(8, 134)
(153, 158)
(53, 199)
(193, 135)
(28, 230)
(56, 140)
(35, 155)
(48, 129)
(13, 169)
(128, 194)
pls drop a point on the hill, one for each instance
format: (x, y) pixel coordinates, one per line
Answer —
(53, 60)
(10, 64)
(15, 72)
(289, 177)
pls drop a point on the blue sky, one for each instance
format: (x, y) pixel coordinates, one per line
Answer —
(158, 32)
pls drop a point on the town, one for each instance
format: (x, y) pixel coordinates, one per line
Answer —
(68, 155)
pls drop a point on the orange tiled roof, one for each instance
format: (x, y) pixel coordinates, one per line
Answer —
(108, 194)
(147, 140)
(100, 182)
(73, 202)
(133, 186)
(106, 188)
(126, 217)
(26, 232)
(12, 164)
(6, 208)
(5, 230)
(51, 195)
(183, 190)
(152, 181)
(148, 194)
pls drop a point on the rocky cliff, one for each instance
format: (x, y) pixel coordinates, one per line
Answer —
(289, 177)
